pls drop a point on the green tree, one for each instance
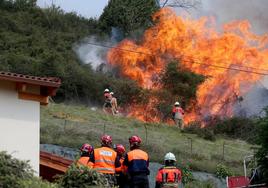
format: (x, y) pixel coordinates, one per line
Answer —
(181, 83)
(40, 42)
(262, 154)
(127, 15)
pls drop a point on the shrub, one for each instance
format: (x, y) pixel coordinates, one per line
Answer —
(200, 184)
(236, 127)
(205, 133)
(187, 175)
(222, 171)
(262, 139)
(18, 174)
(82, 177)
(36, 183)
(12, 170)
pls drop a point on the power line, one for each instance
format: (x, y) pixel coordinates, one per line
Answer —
(230, 68)
(216, 66)
(123, 49)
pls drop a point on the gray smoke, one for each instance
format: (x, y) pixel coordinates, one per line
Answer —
(227, 10)
(254, 101)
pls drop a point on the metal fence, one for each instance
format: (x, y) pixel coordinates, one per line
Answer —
(192, 146)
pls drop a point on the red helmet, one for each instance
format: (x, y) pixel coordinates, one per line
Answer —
(87, 148)
(120, 149)
(106, 139)
(134, 140)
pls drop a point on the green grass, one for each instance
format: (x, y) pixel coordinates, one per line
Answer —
(71, 125)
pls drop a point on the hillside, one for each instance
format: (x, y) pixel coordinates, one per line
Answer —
(41, 42)
(72, 125)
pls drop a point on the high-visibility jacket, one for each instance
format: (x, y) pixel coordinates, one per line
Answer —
(85, 161)
(122, 167)
(104, 160)
(178, 112)
(108, 96)
(137, 162)
(168, 176)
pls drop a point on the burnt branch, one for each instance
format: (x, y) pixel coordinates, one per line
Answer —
(185, 4)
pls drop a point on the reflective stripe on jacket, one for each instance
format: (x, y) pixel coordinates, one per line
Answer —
(104, 160)
(137, 162)
(168, 175)
(178, 112)
(85, 161)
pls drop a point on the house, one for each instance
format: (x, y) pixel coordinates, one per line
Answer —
(20, 100)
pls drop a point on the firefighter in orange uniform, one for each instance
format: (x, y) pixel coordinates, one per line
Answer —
(105, 159)
(107, 98)
(168, 176)
(85, 160)
(121, 176)
(177, 115)
(137, 163)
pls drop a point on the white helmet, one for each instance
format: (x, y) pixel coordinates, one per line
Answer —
(170, 157)
(106, 90)
(177, 103)
(112, 93)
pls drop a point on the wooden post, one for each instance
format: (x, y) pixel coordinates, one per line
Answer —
(104, 128)
(191, 145)
(146, 133)
(223, 150)
(65, 123)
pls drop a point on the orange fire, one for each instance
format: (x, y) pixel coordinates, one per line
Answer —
(233, 60)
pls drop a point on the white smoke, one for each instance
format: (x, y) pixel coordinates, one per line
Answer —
(92, 50)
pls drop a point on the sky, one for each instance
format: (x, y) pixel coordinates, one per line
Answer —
(86, 8)
(222, 10)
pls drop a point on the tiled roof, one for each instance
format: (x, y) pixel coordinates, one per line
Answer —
(42, 81)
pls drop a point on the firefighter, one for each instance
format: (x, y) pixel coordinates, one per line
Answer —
(114, 104)
(137, 163)
(105, 159)
(121, 176)
(168, 176)
(107, 99)
(84, 159)
(177, 115)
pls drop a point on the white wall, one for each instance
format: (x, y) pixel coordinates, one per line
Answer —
(19, 125)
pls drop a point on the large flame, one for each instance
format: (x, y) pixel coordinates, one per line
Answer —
(233, 60)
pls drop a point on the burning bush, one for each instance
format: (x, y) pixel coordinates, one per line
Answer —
(232, 60)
